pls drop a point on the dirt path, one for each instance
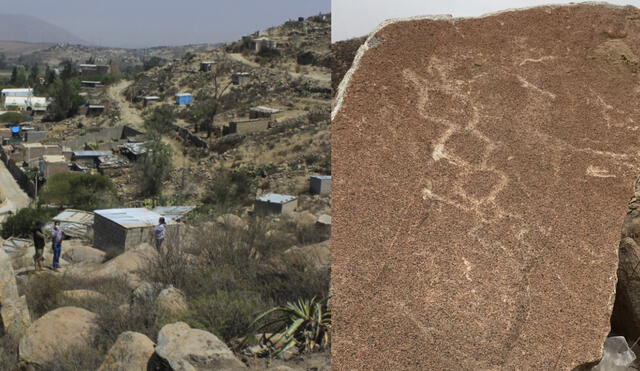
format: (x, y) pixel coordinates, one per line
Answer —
(241, 58)
(128, 114)
(13, 196)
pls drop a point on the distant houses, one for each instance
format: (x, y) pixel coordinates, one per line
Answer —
(206, 66)
(147, 101)
(262, 43)
(320, 184)
(93, 69)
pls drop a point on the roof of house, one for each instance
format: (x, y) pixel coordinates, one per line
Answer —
(16, 246)
(173, 212)
(183, 95)
(17, 90)
(75, 223)
(321, 177)
(265, 109)
(276, 198)
(132, 217)
(152, 97)
(136, 148)
(54, 158)
(91, 153)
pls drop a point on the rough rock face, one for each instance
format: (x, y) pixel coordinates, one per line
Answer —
(187, 349)
(131, 352)
(57, 331)
(482, 167)
(83, 254)
(14, 313)
(171, 301)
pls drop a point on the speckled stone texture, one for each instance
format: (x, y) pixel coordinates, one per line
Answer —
(482, 169)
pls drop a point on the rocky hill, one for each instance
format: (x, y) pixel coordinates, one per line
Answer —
(30, 29)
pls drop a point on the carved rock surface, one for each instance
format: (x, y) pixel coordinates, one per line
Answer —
(482, 168)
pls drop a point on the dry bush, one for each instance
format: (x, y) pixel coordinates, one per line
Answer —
(230, 275)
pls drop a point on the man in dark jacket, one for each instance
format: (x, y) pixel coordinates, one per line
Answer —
(38, 242)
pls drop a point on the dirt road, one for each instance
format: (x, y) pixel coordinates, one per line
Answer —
(10, 192)
(128, 114)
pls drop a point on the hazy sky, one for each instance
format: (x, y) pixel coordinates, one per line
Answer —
(140, 23)
(353, 18)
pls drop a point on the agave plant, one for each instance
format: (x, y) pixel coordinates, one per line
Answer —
(305, 324)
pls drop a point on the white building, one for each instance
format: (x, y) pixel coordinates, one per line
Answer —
(21, 92)
(26, 103)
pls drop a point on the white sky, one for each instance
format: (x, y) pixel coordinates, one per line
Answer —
(354, 18)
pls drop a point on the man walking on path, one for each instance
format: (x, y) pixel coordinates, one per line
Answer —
(38, 242)
(57, 235)
(160, 232)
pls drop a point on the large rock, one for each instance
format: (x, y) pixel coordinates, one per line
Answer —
(128, 264)
(171, 301)
(132, 351)
(58, 331)
(482, 167)
(319, 254)
(8, 287)
(187, 349)
(80, 253)
(232, 221)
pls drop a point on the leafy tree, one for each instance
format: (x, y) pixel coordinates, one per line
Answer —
(69, 70)
(79, 190)
(66, 100)
(161, 120)
(18, 76)
(154, 167)
(20, 224)
(209, 102)
(34, 73)
(152, 62)
(3, 61)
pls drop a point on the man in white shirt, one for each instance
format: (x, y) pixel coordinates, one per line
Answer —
(160, 232)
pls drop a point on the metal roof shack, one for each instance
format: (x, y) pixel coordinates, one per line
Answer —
(124, 229)
(75, 223)
(176, 213)
(262, 111)
(274, 203)
(92, 154)
(134, 150)
(320, 184)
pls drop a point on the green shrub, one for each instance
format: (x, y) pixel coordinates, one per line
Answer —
(79, 190)
(228, 314)
(154, 168)
(13, 118)
(43, 293)
(21, 223)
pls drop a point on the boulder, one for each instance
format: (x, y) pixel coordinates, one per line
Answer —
(232, 221)
(15, 317)
(8, 287)
(482, 171)
(127, 264)
(324, 220)
(82, 254)
(132, 351)
(305, 220)
(146, 292)
(171, 301)
(319, 254)
(187, 349)
(57, 331)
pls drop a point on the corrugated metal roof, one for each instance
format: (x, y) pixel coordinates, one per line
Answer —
(152, 97)
(322, 177)
(276, 198)
(75, 223)
(183, 95)
(265, 109)
(132, 218)
(91, 153)
(15, 246)
(173, 212)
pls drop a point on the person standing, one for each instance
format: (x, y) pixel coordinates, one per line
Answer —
(57, 235)
(160, 232)
(38, 242)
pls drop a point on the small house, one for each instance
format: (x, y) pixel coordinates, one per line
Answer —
(247, 126)
(35, 104)
(320, 184)
(133, 151)
(184, 99)
(206, 66)
(93, 69)
(76, 223)
(262, 111)
(273, 203)
(262, 43)
(240, 78)
(51, 165)
(89, 158)
(150, 100)
(94, 109)
(91, 84)
(124, 229)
